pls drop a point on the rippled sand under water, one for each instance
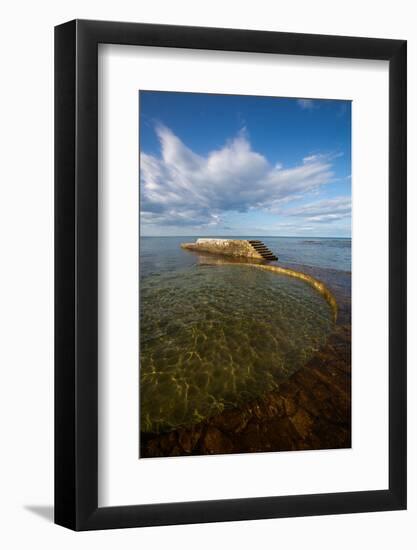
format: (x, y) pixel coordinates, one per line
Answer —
(216, 337)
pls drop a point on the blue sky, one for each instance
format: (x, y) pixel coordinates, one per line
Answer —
(223, 165)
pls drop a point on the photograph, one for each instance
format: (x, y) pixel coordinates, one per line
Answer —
(244, 274)
(209, 229)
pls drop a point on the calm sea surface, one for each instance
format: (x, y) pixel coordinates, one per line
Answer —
(214, 336)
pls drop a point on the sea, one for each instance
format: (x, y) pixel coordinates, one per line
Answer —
(215, 335)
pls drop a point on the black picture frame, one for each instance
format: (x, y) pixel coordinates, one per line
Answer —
(76, 272)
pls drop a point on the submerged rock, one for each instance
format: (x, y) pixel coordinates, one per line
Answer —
(310, 410)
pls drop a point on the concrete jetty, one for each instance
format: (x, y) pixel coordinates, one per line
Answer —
(242, 248)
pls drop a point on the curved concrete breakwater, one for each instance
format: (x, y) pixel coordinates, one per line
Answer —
(244, 249)
(315, 283)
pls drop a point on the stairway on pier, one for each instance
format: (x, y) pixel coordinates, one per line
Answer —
(263, 250)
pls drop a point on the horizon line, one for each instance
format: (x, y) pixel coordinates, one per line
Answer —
(249, 235)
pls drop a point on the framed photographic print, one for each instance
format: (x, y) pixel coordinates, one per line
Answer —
(230, 275)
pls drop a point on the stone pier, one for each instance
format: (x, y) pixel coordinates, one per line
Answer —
(242, 248)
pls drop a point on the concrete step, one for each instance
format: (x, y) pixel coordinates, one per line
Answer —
(263, 250)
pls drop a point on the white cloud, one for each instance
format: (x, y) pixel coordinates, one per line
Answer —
(183, 188)
(306, 103)
(323, 211)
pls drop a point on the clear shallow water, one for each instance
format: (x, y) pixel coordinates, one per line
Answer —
(215, 336)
